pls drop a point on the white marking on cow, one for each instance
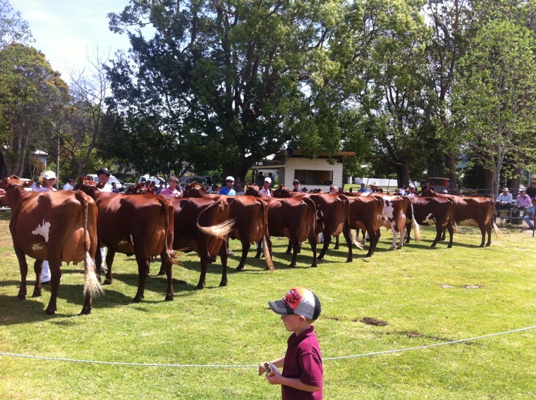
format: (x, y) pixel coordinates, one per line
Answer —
(37, 247)
(42, 230)
(429, 219)
(123, 242)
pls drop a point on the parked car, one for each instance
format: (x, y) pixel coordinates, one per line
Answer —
(112, 179)
(151, 178)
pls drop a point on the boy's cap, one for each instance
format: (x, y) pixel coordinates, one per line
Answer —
(299, 301)
(267, 180)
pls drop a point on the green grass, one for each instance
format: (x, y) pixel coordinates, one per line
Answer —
(217, 336)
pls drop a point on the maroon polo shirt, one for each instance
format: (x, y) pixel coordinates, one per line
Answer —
(303, 360)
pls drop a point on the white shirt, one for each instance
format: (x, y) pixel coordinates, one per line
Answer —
(68, 186)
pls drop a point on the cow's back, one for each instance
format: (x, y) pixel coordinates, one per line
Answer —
(53, 223)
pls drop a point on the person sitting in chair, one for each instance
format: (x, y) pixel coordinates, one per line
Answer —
(531, 212)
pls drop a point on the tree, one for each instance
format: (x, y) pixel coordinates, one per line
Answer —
(12, 27)
(494, 97)
(225, 83)
(31, 96)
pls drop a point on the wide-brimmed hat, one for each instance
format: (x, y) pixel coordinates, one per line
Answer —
(505, 189)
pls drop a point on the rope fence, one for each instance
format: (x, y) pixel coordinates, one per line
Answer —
(227, 366)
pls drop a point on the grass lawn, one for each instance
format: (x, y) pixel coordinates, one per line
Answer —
(207, 344)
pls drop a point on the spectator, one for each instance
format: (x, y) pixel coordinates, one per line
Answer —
(504, 202)
(374, 187)
(296, 185)
(531, 212)
(333, 189)
(260, 179)
(239, 186)
(69, 185)
(412, 190)
(228, 189)
(523, 200)
(114, 188)
(272, 180)
(266, 189)
(363, 189)
(103, 176)
(160, 187)
(47, 180)
(531, 191)
(172, 190)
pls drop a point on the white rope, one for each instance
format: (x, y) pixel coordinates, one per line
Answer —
(127, 364)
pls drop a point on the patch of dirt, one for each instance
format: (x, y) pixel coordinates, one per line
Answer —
(373, 321)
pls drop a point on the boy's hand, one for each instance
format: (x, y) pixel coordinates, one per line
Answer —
(263, 367)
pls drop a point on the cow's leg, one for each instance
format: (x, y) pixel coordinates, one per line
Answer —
(347, 232)
(402, 235)
(224, 257)
(98, 263)
(336, 247)
(55, 277)
(482, 227)
(290, 247)
(143, 270)
(23, 267)
(439, 231)
(245, 249)
(110, 254)
(312, 242)
(395, 237)
(203, 275)
(451, 234)
(38, 267)
(408, 233)
(259, 249)
(327, 241)
(168, 266)
(374, 238)
(488, 230)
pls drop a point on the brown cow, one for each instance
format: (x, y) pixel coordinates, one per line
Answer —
(332, 216)
(292, 218)
(478, 211)
(141, 225)
(432, 210)
(250, 214)
(53, 226)
(365, 213)
(202, 225)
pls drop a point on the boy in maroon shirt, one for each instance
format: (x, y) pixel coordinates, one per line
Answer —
(302, 376)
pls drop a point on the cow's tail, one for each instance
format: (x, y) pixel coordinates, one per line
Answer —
(311, 206)
(92, 285)
(265, 234)
(493, 224)
(415, 226)
(354, 240)
(169, 215)
(220, 231)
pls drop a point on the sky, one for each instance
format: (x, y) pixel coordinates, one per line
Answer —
(68, 32)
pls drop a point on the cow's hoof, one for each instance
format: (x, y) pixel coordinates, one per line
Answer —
(169, 297)
(107, 281)
(223, 284)
(85, 311)
(162, 272)
(21, 297)
(349, 259)
(137, 299)
(239, 268)
(36, 293)
(50, 311)
(199, 287)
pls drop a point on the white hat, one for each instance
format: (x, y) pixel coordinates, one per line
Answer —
(521, 188)
(411, 186)
(505, 189)
(374, 183)
(49, 175)
(299, 301)
(268, 180)
(229, 178)
(445, 191)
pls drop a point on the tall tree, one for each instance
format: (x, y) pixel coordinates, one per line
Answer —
(13, 28)
(225, 82)
(494, 97)
(31, 95)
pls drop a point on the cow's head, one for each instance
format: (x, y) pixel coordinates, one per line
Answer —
(282, 192)
(84, 181)
(253, 190)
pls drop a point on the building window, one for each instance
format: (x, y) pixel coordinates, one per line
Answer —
(308, 177)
